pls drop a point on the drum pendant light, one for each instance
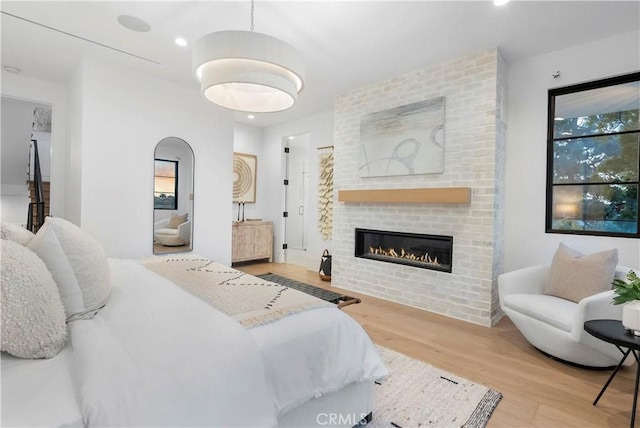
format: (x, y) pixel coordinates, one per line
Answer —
(248, 71)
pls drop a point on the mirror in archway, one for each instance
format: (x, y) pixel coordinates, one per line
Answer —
(173, 197)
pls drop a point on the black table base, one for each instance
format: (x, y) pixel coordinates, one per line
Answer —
(612, 331)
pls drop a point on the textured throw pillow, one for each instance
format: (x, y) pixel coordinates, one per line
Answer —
(15, 233)
(574, 276)
(177, 220)
(78, 265)
(33, 318)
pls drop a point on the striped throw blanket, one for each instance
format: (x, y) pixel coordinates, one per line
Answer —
(249, 300)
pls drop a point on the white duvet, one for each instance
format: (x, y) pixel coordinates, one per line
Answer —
(314, 353)
(157, 356)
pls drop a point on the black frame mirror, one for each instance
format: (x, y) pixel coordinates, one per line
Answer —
(173, 196)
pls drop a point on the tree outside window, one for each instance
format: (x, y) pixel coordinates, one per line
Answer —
(593, 162)
(165, 191)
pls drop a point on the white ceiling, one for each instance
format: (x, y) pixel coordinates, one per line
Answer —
(343, 44)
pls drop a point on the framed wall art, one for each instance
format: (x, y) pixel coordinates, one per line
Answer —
(405, 140)
(244, 177)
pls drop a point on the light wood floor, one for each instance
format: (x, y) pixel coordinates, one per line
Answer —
(537, 391)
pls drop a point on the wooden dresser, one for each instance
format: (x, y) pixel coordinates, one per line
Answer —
(251, 240)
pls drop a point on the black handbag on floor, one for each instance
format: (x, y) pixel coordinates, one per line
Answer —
(325, 266)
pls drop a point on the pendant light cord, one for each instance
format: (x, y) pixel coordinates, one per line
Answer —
(251, 15)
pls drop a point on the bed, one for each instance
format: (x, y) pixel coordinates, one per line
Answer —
(157, 355)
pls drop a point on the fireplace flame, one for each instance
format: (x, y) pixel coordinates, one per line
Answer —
(391, 252)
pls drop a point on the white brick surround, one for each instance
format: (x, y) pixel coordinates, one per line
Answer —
(474, 91)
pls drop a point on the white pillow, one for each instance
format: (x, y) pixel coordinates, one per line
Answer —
(78, 265)
(33, 318)
(15, 233)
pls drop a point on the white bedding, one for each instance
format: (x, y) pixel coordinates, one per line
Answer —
(125, 372)
(314, 353)
(157, 356)
(39, 393)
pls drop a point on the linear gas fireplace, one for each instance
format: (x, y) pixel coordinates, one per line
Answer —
(412, 249)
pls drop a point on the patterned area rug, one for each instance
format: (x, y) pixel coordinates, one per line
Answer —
(416, 394)
(336, 298)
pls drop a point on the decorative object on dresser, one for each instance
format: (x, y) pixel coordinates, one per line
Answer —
(251, 240)
(405, 140)
(325, 193)
(244, 177)
(240, 210)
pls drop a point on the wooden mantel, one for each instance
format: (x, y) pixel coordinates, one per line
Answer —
(437, 195)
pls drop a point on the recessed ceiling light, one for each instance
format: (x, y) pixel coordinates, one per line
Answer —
(291, 137)
(134, 23)
(500, 2)
(11, 69)
(250, 116)
(181, 42)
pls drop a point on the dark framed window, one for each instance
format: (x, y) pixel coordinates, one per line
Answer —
(165, 187)
(593, 144)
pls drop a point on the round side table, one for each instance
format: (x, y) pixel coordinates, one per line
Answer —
(612, 331)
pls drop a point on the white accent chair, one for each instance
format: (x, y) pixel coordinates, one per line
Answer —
(172, 237)
(554, 325)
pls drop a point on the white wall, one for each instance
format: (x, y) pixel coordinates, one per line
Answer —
(529, 80)
(17, 119)
(124, 115)
(74, 147)
(320, 128)
(55, 95)
(248, 139)
(15, 209)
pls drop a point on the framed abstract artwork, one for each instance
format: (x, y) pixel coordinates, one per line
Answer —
(405, 140)
(244, 177)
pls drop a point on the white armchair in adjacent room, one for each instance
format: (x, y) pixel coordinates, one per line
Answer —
(555, 325)
(172, 237)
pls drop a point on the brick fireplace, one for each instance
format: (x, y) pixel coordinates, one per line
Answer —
(473, 89)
